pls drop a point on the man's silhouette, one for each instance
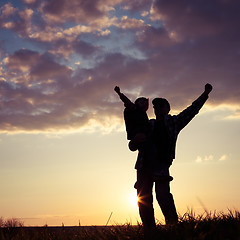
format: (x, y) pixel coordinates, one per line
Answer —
(154, 168)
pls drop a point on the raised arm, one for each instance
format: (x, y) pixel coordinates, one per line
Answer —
(187, 115)
(127, 102)
(208, 88)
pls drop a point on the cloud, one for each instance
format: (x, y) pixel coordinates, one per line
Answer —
(224, 157)
(45, 96)
(235, 115)
(136, 5)
(21, 22)
(204, 159)
(32, 67)
(69, 55)
(7, 10)
(155, 37)
(195, 19)
(59, 11)
(211, 158)
(127, 23)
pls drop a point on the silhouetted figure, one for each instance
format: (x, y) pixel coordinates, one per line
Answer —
(135, 116)
(164, 131)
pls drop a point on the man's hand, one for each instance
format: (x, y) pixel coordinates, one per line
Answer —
(208, 88)
(136, 141)
(117, 89)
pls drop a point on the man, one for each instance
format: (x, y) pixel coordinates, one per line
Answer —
(154, 168)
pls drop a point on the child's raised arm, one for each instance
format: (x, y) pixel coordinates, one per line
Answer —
(127, 102)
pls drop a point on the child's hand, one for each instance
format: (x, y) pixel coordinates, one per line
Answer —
(117, 89)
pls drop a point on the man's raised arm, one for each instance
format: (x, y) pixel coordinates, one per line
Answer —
(208, 88)
(187, 115)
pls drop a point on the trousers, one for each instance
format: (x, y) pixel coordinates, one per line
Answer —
(144, 186)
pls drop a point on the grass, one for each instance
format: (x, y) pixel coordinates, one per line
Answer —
(208, 226)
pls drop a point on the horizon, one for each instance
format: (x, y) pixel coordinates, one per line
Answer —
(14, 222)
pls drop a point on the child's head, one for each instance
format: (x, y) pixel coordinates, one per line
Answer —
(142, 103)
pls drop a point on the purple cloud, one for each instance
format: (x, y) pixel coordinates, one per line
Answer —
(80, 51)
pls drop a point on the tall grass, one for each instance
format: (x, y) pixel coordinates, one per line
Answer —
(208, 226)
(10, 223)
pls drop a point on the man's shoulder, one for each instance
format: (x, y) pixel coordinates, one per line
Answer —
(169, 116)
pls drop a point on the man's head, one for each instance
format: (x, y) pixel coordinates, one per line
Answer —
(142, 103)
(161, 107)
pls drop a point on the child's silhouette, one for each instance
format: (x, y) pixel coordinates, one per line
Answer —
(135, 116)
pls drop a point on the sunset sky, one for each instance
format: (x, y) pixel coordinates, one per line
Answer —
(63, 148)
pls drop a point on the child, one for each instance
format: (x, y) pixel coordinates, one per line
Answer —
(135, 116)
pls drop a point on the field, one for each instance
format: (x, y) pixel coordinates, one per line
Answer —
(211, 226)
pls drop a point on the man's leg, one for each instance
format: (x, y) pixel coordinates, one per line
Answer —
(166, 202)
(144, 187)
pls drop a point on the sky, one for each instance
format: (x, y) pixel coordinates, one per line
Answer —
(64, 157)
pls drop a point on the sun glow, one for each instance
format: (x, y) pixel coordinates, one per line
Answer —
(134, 199)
